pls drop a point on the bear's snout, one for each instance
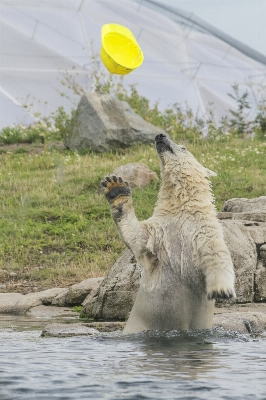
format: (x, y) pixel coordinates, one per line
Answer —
(159, 137)
(163, 143)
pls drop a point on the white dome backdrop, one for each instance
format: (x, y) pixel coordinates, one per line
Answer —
(185, 60)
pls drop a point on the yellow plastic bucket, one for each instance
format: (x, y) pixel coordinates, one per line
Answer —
(120, 51)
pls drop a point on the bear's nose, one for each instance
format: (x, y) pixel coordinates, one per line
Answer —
(160, 137)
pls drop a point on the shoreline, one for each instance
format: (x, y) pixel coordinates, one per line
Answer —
(248, 319)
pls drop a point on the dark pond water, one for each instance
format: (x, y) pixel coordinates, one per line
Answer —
(162, 365)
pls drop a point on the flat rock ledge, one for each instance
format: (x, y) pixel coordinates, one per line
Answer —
(243, 322)
(253, 323)
(80, 329)
(68, 330)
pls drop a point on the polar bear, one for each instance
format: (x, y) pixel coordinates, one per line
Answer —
(185, 262)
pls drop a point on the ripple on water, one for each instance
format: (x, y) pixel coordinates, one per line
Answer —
(149, 365)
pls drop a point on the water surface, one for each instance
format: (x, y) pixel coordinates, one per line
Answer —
(161, 365)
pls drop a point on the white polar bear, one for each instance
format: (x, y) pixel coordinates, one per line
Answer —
(185, 262)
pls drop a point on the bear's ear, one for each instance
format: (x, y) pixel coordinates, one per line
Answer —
(210, 173)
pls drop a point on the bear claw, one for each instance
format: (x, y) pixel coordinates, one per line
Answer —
(115, 187)
(215, 295)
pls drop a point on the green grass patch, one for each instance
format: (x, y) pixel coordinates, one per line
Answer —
(55, 224)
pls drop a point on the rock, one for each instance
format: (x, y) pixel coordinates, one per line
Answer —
(257, 232)
(16, 303)
(107, 326)
(68, 330)
(256, 215)
(242, 322)
(102, 123)
(60, 299)
(137, 174)
(244, 256)
(260, 282)
(116, 295)
(48, 295)
(239, 205)
(46, 312)
(263, 252)
(8, 302)
(224, 215)
(78, 292)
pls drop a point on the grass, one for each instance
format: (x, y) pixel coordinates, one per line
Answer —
(55, 226)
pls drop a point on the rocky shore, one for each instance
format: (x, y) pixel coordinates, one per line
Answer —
(106, 302)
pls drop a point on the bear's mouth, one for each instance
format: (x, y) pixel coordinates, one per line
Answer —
(162, 144)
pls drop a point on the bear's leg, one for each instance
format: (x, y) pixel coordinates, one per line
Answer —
(219, 271)
(132, 232)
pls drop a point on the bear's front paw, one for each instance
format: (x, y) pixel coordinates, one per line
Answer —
(221, 294)
(114, 188)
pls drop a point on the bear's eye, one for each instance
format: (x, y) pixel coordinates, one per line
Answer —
(182, 148)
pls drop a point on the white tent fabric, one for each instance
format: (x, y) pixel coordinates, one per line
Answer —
(41, 39)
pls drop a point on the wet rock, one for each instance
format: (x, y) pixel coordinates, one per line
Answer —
(102, 123)
(239, 205)
(115, 296)
(244, 256)
(242, 322)
(137, 174)
(68, 330)
(107, 326)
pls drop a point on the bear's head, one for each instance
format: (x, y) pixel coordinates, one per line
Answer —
(185, 180)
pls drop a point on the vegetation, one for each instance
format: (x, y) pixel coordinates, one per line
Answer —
(55, 226)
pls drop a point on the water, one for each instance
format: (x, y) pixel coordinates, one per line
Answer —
(161, 365)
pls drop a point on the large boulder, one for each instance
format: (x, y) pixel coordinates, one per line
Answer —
(102, 123)
(136, 174)
(115, 296)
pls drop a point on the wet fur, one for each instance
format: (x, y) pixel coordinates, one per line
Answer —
(185, 262)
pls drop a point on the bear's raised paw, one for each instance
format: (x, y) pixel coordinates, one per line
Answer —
(115, 187)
